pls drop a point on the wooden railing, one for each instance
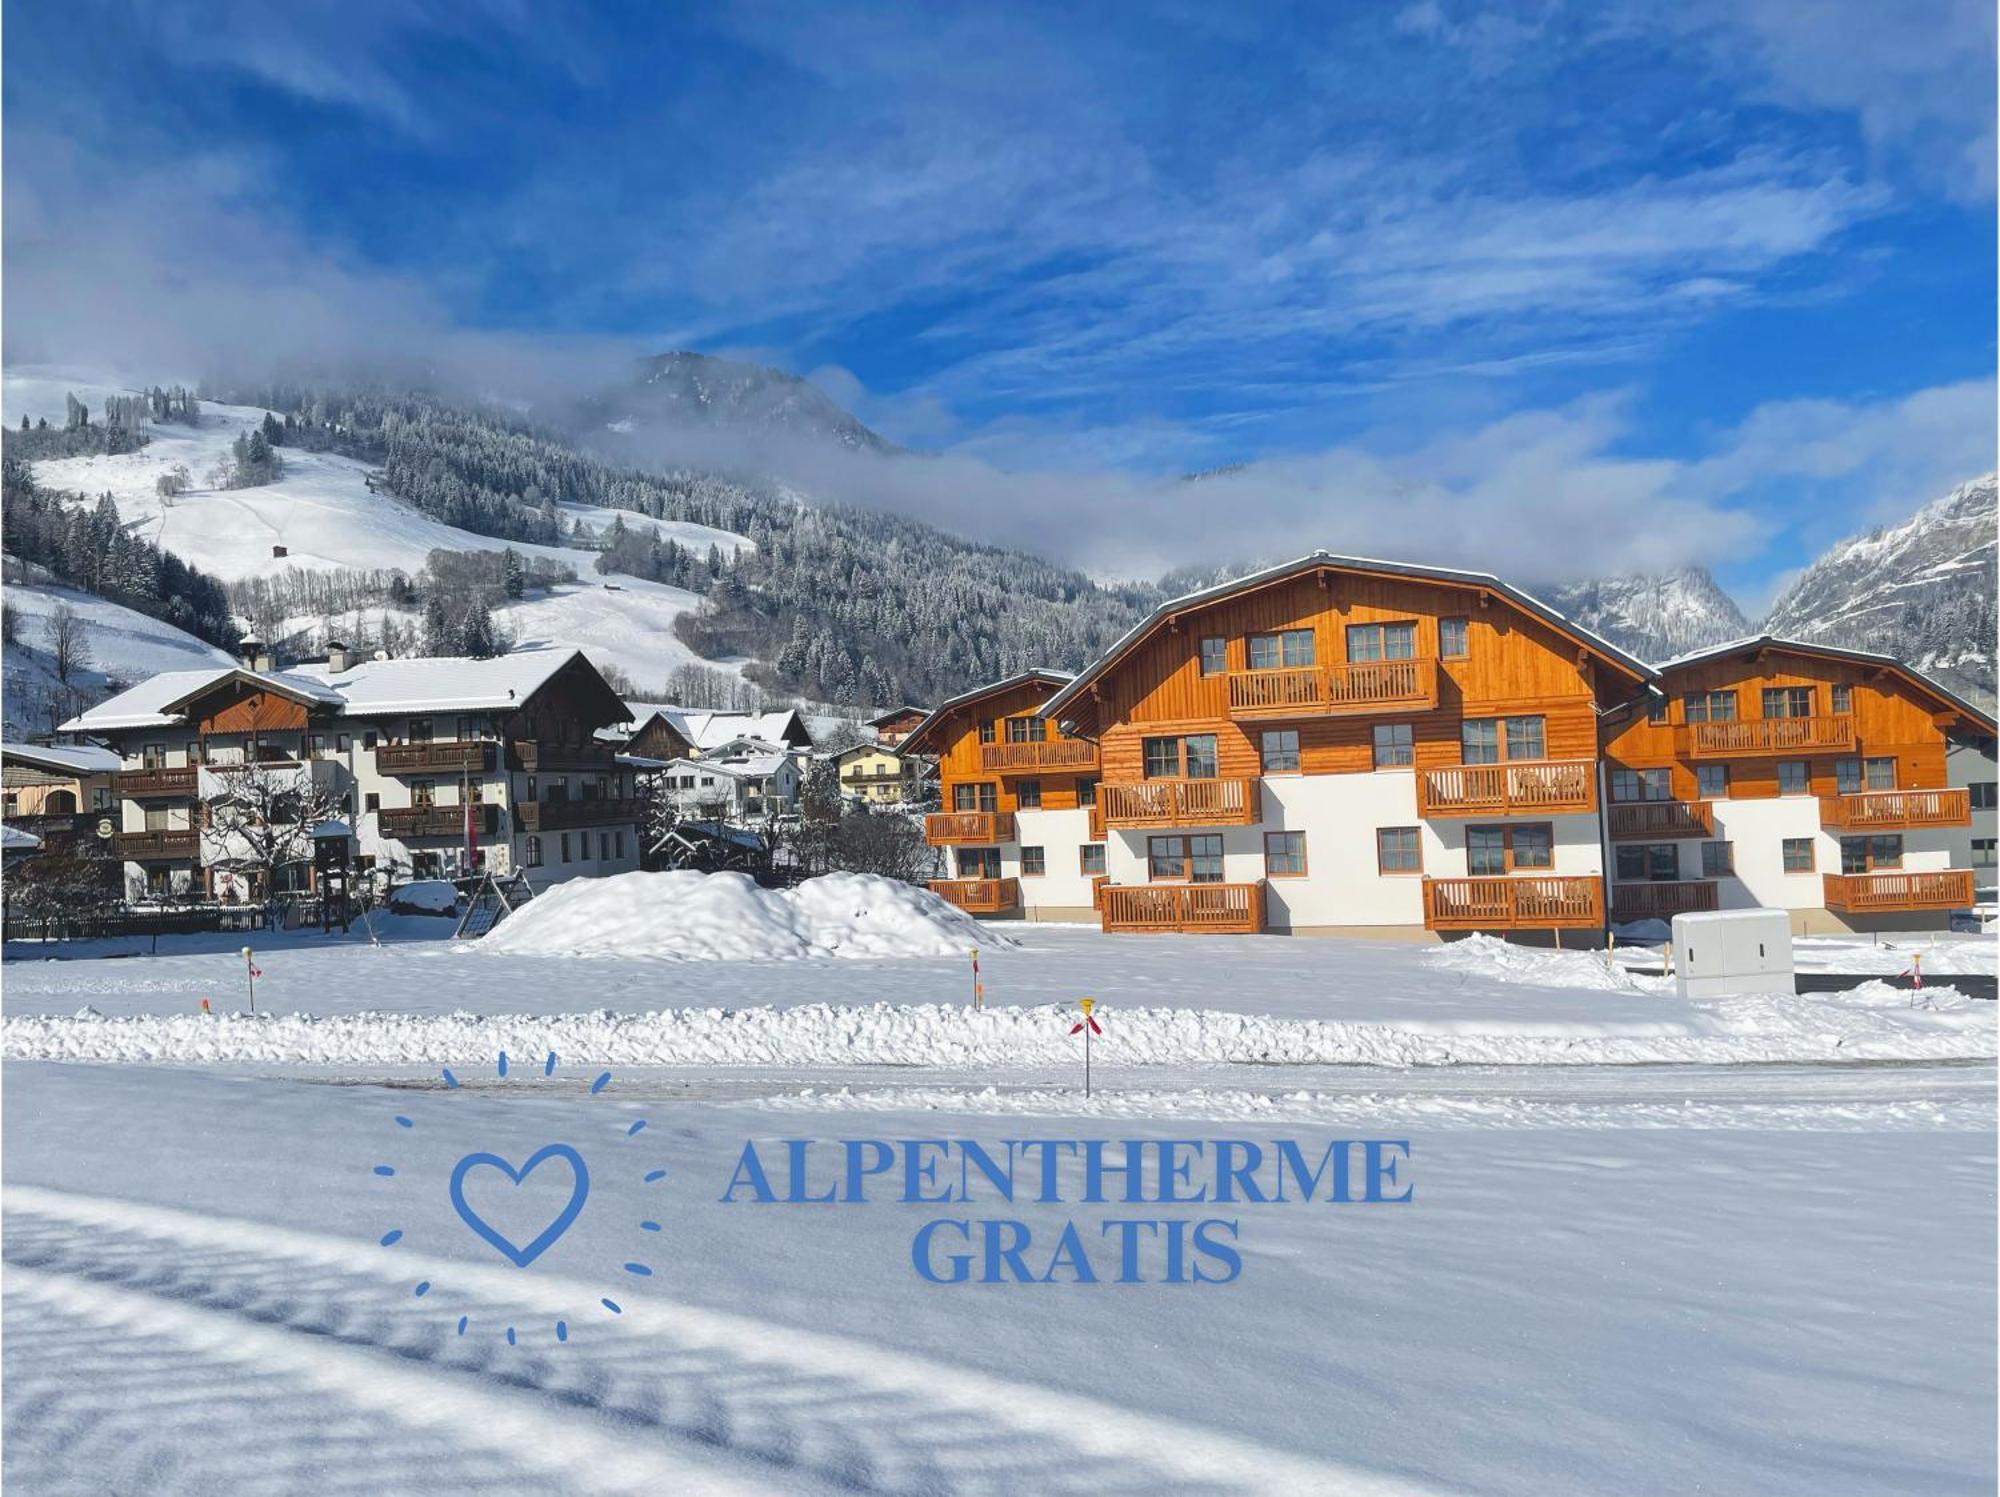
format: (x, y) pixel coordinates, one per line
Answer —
(1179, 803)
(945, 828)
(1048, 753)
(1768, 735)
(1888, 810)
(1661, 818)
(531, 756)
(1216, 908)
(1097, 821)
(138, 783)
(1868, 893)
(1354, 686)
(1517, 902)
(979, 896)
(561, 815)
(1664, 900)
(440, 756)
(1523, 788)
(167, 844)
(438, 821)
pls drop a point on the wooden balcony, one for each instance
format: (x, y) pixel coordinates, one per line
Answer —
(1660, 818)
(1767, 735)
(531, 756)
(1895, 810)
(1218, 909)
(138, 784)
(980, 896)
(1178, 803)
(1050, 754)
(950, 828)
(592, 810)
(1096, 821)
(1887, 893)
(1663, 901)
(1518, 902)
(1347, 689)
(438, 821)
(1541, 787)
(440, 756)
(141, 846)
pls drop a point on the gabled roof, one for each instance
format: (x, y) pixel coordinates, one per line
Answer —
(62, 759)
(707, 730)
(912, 742)
(894, 713)
(1631, 665)
(1757, 642)
(444, 683)
(156, 702)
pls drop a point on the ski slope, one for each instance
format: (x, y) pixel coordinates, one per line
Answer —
(324, 515)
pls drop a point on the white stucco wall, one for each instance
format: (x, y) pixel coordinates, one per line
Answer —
(1966, 765)
(1059, 834)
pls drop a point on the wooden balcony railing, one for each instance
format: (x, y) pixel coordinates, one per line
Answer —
(1335, 690)
(948, 828)
(140, 783)
(1179, 803)
(440, 756)
(1220, 909)
(1767, 735)
(172, 844)
(1097, 821)
(1662, 901)
(439, 821)
(1539, 787)
(980, 896)
(1027, 758)
(561, 815)
(1511, 903)
(531, 756)
(1873, 893)
(1892, 810)
(1661, 818)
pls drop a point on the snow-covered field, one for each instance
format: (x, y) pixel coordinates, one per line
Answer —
(1760, 1260)
(324, 515)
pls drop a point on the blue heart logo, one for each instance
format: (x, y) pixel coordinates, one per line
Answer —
(521, 1257)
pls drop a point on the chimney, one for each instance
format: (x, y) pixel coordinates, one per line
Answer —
(337, 658)
(256, 654)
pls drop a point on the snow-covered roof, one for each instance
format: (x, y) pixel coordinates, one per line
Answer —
(13, 839)
(945, 708)
(1752, 643)
(756, 767)
(64, 758)
(708, 730)
(156, 701)
(372, 688)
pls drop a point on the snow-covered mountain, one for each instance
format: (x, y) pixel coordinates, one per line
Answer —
(1653, 616)
(1922, 591)
(696, 392)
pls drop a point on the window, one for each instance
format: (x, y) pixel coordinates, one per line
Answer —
(986, 732)
(1086, 792)
(420, 730)
(1200, 752)
(153, 756)
(1852, 776)
(1381, 641)
(979, 862)
(423, 792)
(1533, 845)
(371, 802)
(161, 818)
(1526, 738)
(1284, 854)
(1657, 710)
(1491, 850)
(1214, 655)
(1794, 777)
(368, 739)
(1641, 784)
(1479, 740)
(1197, 860)
(982, 796)
(1843, 699)
(1866, 854)
(1799, 855)
(1485, 850)
(1453, 643)
(1192, 757)
(1982, 794)
(1395, 745)
(1710, 706)
(534, 852)
(1649, 862)
(564, 848)
(1028, 794)
(1281, 751)
(1788, 701)
(1034, 862)
(1026, 729)
(1711, 781)
(1090, 859)
(1162, 758)
(1288, 649)
(194, 752)
(1398, 849)
(1984, 852)
(341, 743)
(1717, 860)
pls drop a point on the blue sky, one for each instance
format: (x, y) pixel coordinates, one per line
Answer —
(1704, 282)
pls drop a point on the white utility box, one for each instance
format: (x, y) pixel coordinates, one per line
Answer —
(1730, 952)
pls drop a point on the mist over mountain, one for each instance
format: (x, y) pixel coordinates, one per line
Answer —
(694, 394)
(1653, 616)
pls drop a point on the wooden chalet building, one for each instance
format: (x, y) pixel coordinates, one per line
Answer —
(1019, 828)
(1834, 784)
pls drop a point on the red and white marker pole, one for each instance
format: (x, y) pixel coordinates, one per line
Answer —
(250, 975)
(1086, 1026)
(978, 988)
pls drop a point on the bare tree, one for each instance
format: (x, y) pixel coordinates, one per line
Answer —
(68, 639)
(260, 817)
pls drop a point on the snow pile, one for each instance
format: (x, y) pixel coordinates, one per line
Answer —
(1874, 1022)
(1496, 960)
(429, 896)
(727, 917)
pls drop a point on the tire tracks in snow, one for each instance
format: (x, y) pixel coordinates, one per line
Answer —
(131, 1329)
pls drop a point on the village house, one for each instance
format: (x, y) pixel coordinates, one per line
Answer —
(876, 775)
(57, 792)
(744, 780)
(893, 726)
